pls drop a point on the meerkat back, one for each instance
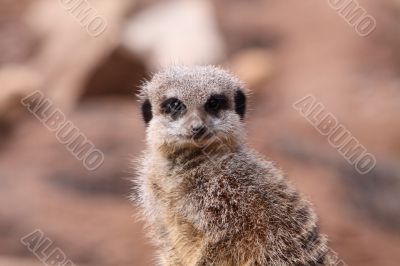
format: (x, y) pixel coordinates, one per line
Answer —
(206, 197)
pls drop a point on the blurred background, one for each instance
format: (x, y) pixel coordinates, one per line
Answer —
(282, 49)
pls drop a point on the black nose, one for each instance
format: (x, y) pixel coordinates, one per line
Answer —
(198, 131)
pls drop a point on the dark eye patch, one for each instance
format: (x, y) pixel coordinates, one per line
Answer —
(216, 103)
(240, 103)
(174, 107)
(146, 111)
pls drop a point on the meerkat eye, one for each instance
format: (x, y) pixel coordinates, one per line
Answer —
(216, 103)
(173, 107)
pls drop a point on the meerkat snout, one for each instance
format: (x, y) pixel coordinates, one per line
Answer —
(197, 126)
(198, 131)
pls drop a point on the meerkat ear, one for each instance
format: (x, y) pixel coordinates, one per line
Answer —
(146, 111)
(240, 103)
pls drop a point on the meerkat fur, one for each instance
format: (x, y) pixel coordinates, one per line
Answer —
(206, 197)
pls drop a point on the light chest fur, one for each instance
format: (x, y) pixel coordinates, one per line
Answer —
(181, 242)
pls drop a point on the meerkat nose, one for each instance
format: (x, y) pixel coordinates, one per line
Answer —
(198, 131)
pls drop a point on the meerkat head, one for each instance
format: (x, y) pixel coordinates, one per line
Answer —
(193, 106)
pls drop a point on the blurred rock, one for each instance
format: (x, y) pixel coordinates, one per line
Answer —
(19, 262)
(17, 45)
(245, 24)
(16, 83)
(12, 10)
(119, 74)
(17, 39)
(388, 38)
(70, 52)
(253, 66)
(384, 40)
(175, 32)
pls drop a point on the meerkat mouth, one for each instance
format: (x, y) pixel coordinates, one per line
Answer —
(200, 139)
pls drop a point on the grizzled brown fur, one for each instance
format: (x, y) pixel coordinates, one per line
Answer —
(210, 200)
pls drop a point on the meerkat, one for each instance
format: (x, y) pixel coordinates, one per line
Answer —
(207, 198)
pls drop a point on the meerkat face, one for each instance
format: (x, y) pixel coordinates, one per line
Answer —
(185, 106)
